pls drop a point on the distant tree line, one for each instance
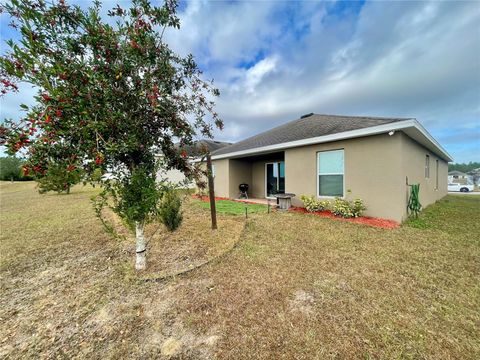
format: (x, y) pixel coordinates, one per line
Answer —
(58, 178)
(464, 167)
(11, 169)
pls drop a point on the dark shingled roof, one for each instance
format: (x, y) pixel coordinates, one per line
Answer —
(307, 127)
(197, 148)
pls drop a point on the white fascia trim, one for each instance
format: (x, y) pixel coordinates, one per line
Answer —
(374, 130)
(435, 143)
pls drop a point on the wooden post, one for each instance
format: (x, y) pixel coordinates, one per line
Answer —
(211, 190)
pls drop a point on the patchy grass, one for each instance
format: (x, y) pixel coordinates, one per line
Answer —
(229, 207)
(295, 287)
(461, 212)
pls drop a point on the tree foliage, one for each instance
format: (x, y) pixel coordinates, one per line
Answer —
(464, 167)
(112, 96)
(11, 169)
(59, 178)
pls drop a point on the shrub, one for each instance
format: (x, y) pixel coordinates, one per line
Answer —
(342, 208)
(348, 209)
(312, 204)
(358, 207)
(170, 210)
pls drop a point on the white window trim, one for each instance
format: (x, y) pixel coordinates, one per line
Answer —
(318, 175)
(427, 167)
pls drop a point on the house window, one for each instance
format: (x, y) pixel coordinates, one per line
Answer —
(330, 166)
(436, 174)
(427, 166)
(213, 170)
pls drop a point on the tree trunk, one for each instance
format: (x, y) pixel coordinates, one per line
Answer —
(141, 247)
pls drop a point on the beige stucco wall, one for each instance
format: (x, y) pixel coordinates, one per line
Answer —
(221, 180)
(240, 172)
(372, 172)
(257, 189)
(413, 167)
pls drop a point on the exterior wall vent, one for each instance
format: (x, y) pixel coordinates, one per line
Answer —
(306, 115)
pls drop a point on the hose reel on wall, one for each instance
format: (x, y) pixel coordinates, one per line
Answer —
(414, 207)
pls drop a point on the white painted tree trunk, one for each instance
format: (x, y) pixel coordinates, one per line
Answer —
(141, 247)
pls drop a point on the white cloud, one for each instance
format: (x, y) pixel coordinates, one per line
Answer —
(274, 61)
(256, 73)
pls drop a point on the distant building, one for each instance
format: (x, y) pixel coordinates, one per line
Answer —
(193, 151)
(458, 177)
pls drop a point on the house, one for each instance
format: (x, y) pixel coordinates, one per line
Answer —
(329, 156)
(195, 150)
(458, 177)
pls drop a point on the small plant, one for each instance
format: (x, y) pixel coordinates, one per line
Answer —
(342, 208)
(358, 207)
(170, 210)
(348, 209)
(312, 204)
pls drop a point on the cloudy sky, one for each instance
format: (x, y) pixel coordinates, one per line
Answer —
(276, 60)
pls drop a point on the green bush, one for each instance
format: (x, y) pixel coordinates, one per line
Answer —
(358, 207)
(170, 210)
(11, 169)
(312, 204)
(348, 209)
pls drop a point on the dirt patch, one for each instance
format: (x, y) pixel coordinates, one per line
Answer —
(302, 301)
(170, 347)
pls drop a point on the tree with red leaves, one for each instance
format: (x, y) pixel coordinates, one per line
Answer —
(110, 97)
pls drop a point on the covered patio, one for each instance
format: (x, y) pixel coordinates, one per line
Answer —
(264, 174)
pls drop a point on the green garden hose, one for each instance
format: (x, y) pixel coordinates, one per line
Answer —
(414, 200)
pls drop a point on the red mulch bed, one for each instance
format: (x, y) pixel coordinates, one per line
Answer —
(364, 220)
(370, 221)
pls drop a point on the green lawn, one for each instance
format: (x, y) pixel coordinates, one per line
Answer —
(294, 287)
(234, 207)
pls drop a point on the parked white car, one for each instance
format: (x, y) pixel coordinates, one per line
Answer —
(459, 187)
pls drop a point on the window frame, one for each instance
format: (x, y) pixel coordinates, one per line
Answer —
(317, 159)
(436, 173)
(427, 166)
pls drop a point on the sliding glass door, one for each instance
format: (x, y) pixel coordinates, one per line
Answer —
(275, 178)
